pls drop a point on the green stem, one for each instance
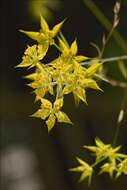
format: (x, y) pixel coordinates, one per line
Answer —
(120, 117)
(57, 47)
(110, 59)
(93, 165)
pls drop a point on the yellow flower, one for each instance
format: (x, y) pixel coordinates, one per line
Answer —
(69, 53)
(109, 167)
(122, 167)
(45, 36)
(41, 81)
(32, 56)
(52, 112)
(86, 170)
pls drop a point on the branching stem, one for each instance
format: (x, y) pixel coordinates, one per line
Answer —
(120, 117)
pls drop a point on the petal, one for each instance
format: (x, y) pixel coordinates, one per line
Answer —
(67, 89)
(90, 83)
(58, 104)
(56, 28)
(44, 25)
(32, 76)
(81, 58)
(74, 48)
(46, 104)
(62, 45)
(41, 113)
(80, 92)
(62, 117)
(34, 35)
(50, 122)
(92, 69)
(42, 50)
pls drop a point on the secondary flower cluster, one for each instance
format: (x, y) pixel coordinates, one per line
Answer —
(62, 76)
(115, 163)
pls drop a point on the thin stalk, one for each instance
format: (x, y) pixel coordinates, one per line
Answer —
(120, 117)
(110, 59)
(57, 47)
(93, 165)
(110, 80)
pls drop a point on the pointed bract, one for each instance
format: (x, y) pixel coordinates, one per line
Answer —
(50, 122)
(39, 37)
(92, 69)
(56, 28)
(74, 48)
(44, 25)
(62, 117)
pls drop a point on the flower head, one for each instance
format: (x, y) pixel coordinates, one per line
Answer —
(51, 112)
(85, 169)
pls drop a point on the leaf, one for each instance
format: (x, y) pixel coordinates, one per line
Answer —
(62, 117)
(56, 28)
(74, 48)
(92, 69)
(44, 25)
(50, 122)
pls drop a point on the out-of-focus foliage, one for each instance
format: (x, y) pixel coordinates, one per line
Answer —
(115, 163)
(43, 7)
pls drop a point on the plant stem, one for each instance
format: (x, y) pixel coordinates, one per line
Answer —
(57, 47)
(120, 117)
(123, 57)
(97, 162)
(110, 59)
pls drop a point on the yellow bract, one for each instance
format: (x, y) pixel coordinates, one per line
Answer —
(52, 112)
(86, 170)
(32, 55)
(45, 36)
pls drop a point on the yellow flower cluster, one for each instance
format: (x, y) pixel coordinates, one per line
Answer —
(62, 76)
(115, 163)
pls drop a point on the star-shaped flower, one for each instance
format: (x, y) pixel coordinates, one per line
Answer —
(45, 36)
(32, 56)
(86, 170)
(52, 112)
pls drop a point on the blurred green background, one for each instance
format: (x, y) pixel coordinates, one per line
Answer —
(55, 153)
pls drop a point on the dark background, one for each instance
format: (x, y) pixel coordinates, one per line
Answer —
(55, 152)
